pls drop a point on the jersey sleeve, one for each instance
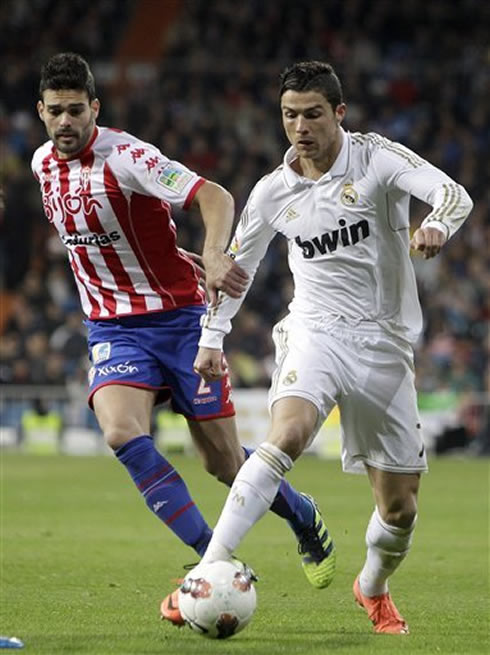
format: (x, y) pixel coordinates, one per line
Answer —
(37, 159)
(248, 247)
(140, 167)
(399, 168)
(34, 166)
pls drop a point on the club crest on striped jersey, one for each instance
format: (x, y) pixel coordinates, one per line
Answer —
(101, 352)
(85, 178)
(349, 195)
(173, 178)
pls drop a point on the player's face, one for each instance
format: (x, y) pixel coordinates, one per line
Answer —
(310, 123)
(69, 119)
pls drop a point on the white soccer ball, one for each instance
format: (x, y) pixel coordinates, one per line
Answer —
(218, 600)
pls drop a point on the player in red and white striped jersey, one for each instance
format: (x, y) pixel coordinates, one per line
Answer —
(110, 197)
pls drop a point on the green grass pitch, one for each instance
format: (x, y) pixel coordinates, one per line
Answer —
(84, 564)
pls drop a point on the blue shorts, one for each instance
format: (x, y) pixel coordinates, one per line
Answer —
(157, 351)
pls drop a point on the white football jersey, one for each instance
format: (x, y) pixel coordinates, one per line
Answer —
(348, 235)
(112, 207)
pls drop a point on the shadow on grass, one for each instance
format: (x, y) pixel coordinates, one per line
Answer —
(284, 643)
(186, 643)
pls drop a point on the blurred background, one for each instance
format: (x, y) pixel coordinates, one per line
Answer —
(199, 79)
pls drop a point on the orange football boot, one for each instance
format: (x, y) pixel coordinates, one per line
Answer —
(169, 609)
(382, 611)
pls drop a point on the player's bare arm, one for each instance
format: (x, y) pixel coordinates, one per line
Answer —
(209, 364)
(428, 240)
(222, 273)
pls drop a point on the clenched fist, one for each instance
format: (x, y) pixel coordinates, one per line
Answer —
(428, 240)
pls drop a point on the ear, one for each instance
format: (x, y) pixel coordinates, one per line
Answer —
(95, 107)
(340, 113)
(40, 109)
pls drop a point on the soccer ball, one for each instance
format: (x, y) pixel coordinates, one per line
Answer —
(218, 600)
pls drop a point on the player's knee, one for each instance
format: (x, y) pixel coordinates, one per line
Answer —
(116, 435)
(290, 436)
(400, 514)
(223, 469)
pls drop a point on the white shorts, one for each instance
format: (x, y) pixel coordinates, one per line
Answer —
(369, 374)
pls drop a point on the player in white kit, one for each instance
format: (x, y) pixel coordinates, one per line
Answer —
(342, 201)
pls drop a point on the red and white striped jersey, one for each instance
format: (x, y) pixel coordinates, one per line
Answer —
(112, 207)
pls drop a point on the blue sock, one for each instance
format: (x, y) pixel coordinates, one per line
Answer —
(289, 504)
(164, 491)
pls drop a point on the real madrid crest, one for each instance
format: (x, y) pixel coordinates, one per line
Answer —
(349, 195)
(290, 378)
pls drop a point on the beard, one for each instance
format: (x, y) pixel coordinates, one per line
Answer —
(68, 143)
(73, 141)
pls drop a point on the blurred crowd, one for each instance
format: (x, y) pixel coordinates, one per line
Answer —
(417, 72)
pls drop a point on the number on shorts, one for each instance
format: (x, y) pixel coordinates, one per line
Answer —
(203, 388)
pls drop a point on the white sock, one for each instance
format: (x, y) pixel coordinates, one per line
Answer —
(387, 547)
(251, 495)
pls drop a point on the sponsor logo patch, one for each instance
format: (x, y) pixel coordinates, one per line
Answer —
(204, 401)
(117, 369)
(94, 239)
(235, 245)
(101, 352)
(173, 178)
(347, 235)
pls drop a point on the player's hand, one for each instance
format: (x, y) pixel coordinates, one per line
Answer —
(210, 364)
(223, 274)
(428, 240)
(197, 259)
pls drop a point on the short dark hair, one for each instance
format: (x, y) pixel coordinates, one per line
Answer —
(67, 70)
(312, 76)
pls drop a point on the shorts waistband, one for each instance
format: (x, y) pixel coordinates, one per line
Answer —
(340, 327)
(334, 323)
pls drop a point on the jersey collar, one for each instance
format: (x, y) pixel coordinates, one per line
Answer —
(339, 167)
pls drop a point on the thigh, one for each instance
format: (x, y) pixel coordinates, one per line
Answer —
(307, 367)
(119, 358)
(123, 412)
(191, 396)
(379, 417)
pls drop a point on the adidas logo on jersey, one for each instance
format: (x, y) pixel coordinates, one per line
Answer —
(291, 214)
(330, 241)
